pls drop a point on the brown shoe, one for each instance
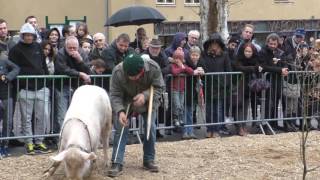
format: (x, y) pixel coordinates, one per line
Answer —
(215, 135)
(242, 131)
(209, 135)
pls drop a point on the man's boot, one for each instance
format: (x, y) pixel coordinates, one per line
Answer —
(116, 170)
(242, 131)
(150, 166)
(289, 126)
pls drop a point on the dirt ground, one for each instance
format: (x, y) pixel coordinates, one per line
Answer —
(253, 157)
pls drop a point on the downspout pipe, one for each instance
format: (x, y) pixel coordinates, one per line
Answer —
(107, 28)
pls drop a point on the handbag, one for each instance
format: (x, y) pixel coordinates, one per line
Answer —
(258, 85)
(291, 90)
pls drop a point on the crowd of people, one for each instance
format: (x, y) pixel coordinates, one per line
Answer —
(185, 66)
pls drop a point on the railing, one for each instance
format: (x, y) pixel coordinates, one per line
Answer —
(225, 94)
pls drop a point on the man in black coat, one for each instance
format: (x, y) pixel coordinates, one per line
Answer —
(137, 43)
(291, 44)
(157, 54)
(116, 52)
(272, 61)
(69, 61)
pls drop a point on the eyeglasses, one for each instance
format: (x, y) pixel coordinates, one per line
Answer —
(195, 38)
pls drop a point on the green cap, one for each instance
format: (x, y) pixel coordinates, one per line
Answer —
(133, 64)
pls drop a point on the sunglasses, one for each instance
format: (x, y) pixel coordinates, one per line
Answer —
(98, 40)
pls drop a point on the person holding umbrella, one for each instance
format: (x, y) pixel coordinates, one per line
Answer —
(131, 83)
(137, 43)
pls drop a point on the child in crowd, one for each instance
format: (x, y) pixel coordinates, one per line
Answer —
(8, 72)
(179, 68)
(98, 66)
(49, 54)
(86, 46)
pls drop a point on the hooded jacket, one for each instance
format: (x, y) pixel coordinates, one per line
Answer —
(215, 84)
(27, 28)
(178, 37)
(10, 70)
(112, 56)
(30, 59)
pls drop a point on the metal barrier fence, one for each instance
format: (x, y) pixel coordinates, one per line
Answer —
(192, 101)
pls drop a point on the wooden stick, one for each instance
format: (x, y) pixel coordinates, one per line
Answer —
(122, 129)
(149, 112)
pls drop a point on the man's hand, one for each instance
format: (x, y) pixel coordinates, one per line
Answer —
(275, 60)
(201, 70)
(137, 50)
(85, 77)
(76, 55)
(284, 71)
(123, 119)
(138, 100)
(3, 78)
(180, 64)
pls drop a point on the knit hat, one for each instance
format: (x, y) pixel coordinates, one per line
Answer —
(178, 54)
(133, 64)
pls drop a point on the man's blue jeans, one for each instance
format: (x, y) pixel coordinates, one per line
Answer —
(62, 100)
(148, 145)
(7, 119)
(189, 119)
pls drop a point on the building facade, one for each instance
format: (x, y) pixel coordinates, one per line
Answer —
(182, 15)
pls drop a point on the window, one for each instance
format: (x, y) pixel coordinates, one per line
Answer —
(166, 2)
(192, 2)
(283, 1)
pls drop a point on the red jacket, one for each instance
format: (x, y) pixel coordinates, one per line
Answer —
(178, 82)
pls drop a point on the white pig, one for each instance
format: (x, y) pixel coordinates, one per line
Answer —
(87, 122)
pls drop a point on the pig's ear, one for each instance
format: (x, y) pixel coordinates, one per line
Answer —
(89, 156)
(59, 157)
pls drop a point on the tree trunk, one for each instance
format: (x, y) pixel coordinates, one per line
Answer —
(213, 18)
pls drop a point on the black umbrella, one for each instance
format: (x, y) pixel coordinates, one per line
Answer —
(135, 15)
